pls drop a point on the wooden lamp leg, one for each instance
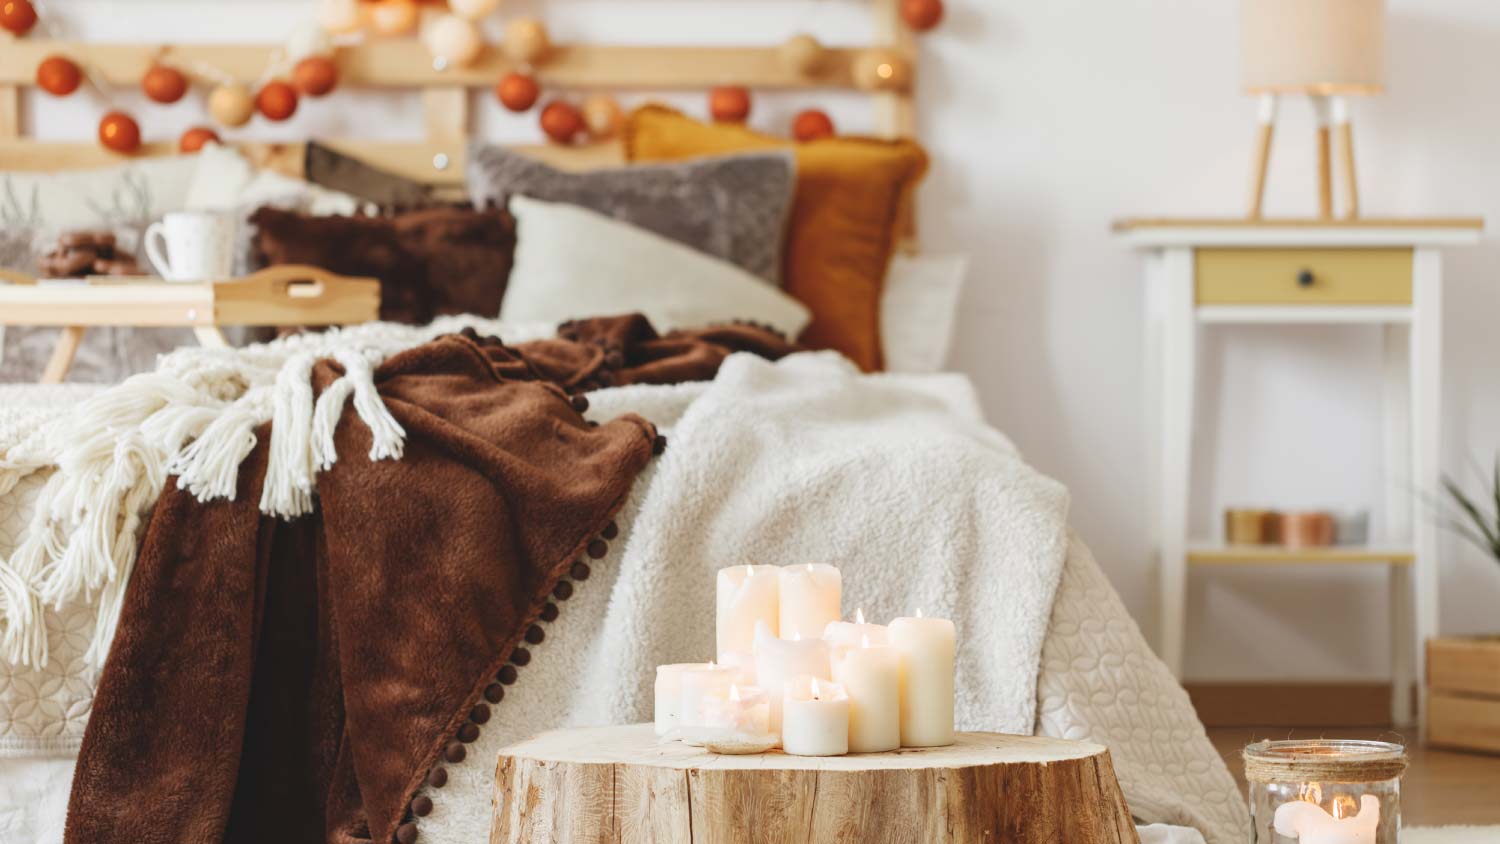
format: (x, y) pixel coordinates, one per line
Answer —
(1262, 154)
(1343, 132)
(1325, 156)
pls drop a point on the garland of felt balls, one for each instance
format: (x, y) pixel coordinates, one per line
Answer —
(453, 39)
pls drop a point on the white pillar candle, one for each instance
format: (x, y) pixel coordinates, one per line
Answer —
(1309, 823)
(780, 660)
(926, 648)
(870, 675)
(811, 597)
(843, 635)
(745, 712)
(669, 694)
(698, 683)
(747, 594)
(817, 718)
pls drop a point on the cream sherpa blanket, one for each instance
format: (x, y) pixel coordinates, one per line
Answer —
(895, 478)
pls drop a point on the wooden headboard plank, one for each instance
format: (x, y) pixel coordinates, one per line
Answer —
(405, 63)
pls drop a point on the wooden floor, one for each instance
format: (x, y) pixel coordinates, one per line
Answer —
(1441, 787)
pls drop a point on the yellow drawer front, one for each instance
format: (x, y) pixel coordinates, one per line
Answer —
(1303, 276)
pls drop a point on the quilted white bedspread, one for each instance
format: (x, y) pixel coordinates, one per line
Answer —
(1098, 681)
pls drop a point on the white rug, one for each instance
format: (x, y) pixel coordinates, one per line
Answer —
(1451, 835)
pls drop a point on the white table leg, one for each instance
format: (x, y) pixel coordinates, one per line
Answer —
(1178, 371)
(1426, 401)
(210, 336)
(1399, 505)
(1155, 320)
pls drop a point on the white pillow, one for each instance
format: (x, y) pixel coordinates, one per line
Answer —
(917, 310)
(572, 262)
(133, 193)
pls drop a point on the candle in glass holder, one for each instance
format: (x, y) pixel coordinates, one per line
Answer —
(816, 718)
(780, 660)
(668, 710)
(746, 595)
(870, 675)
(810, 598)
(1309, 823)
(702, 682)
(926, 647)
(843, 635)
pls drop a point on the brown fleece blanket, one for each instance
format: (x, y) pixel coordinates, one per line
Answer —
(296, 682)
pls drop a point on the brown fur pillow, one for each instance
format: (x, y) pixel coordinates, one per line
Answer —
(435, 261)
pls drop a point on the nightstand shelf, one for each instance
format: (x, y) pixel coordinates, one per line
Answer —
(1381, 272)
(1218, 554)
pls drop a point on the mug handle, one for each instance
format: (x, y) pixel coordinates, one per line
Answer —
(158, 254)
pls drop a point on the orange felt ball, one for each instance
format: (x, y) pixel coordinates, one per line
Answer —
(517, 91)
(18, 16)
(164, 84)
(193, 139)
(811, 125)
(315, 75)
(729, 104)
(561, 121)
(119, 131)
(58, 76)
(277, 100)
(922, 15)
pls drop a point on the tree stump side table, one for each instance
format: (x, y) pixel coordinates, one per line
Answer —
(617, 784)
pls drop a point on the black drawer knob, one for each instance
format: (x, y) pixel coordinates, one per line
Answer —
(1305, 278)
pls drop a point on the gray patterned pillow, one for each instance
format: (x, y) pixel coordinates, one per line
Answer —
(732, 207)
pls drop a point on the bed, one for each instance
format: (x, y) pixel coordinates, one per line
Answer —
(1053, 651)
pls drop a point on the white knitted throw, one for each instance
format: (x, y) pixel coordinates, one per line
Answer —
(194, 417)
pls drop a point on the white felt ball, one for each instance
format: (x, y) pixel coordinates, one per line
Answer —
(339, 16)
(308, 39)
(472, 9)
(453, 39)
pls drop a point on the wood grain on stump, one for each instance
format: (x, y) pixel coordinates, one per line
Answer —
(617, 784)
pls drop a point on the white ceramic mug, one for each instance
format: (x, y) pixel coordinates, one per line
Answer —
(192, 246)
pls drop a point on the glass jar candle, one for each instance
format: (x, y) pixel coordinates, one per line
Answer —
(1325, 791)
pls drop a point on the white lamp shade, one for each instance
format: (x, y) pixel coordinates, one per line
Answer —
(1314, 46)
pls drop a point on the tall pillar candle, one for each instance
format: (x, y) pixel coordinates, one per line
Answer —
(746, 595)
(925, 646)
(817, 718)
(778, 661)
(811, 597)
(870, 674)
(843, 635)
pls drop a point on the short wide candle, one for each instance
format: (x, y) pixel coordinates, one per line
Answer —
(779, 660)
(871, 677)
(699, 682)
(669, 694)
(817, 718)
(746, 595)
(811, 597)
(926, 649)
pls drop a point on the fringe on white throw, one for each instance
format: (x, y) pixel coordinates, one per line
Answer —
(195, 417)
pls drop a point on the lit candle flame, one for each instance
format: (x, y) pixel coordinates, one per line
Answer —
(919, 612)
(749, 571)
(734, 692)
(864, 641)
(1310, 792)
(710, 663)
(1344, 807)
(809, 568)
(817, 690)
(859, 616)
(796, 635)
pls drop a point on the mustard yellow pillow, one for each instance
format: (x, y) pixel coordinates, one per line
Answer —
(844, 220)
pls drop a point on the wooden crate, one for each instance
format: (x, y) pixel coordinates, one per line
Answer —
(1463, 693)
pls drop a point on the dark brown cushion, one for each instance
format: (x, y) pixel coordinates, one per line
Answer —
(445, 260)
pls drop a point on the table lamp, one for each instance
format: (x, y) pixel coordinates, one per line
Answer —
(1327, 50)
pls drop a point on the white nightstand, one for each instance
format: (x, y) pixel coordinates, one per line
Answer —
(1302, 272)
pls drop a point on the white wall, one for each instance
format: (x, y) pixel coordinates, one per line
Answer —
(1046, 119)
